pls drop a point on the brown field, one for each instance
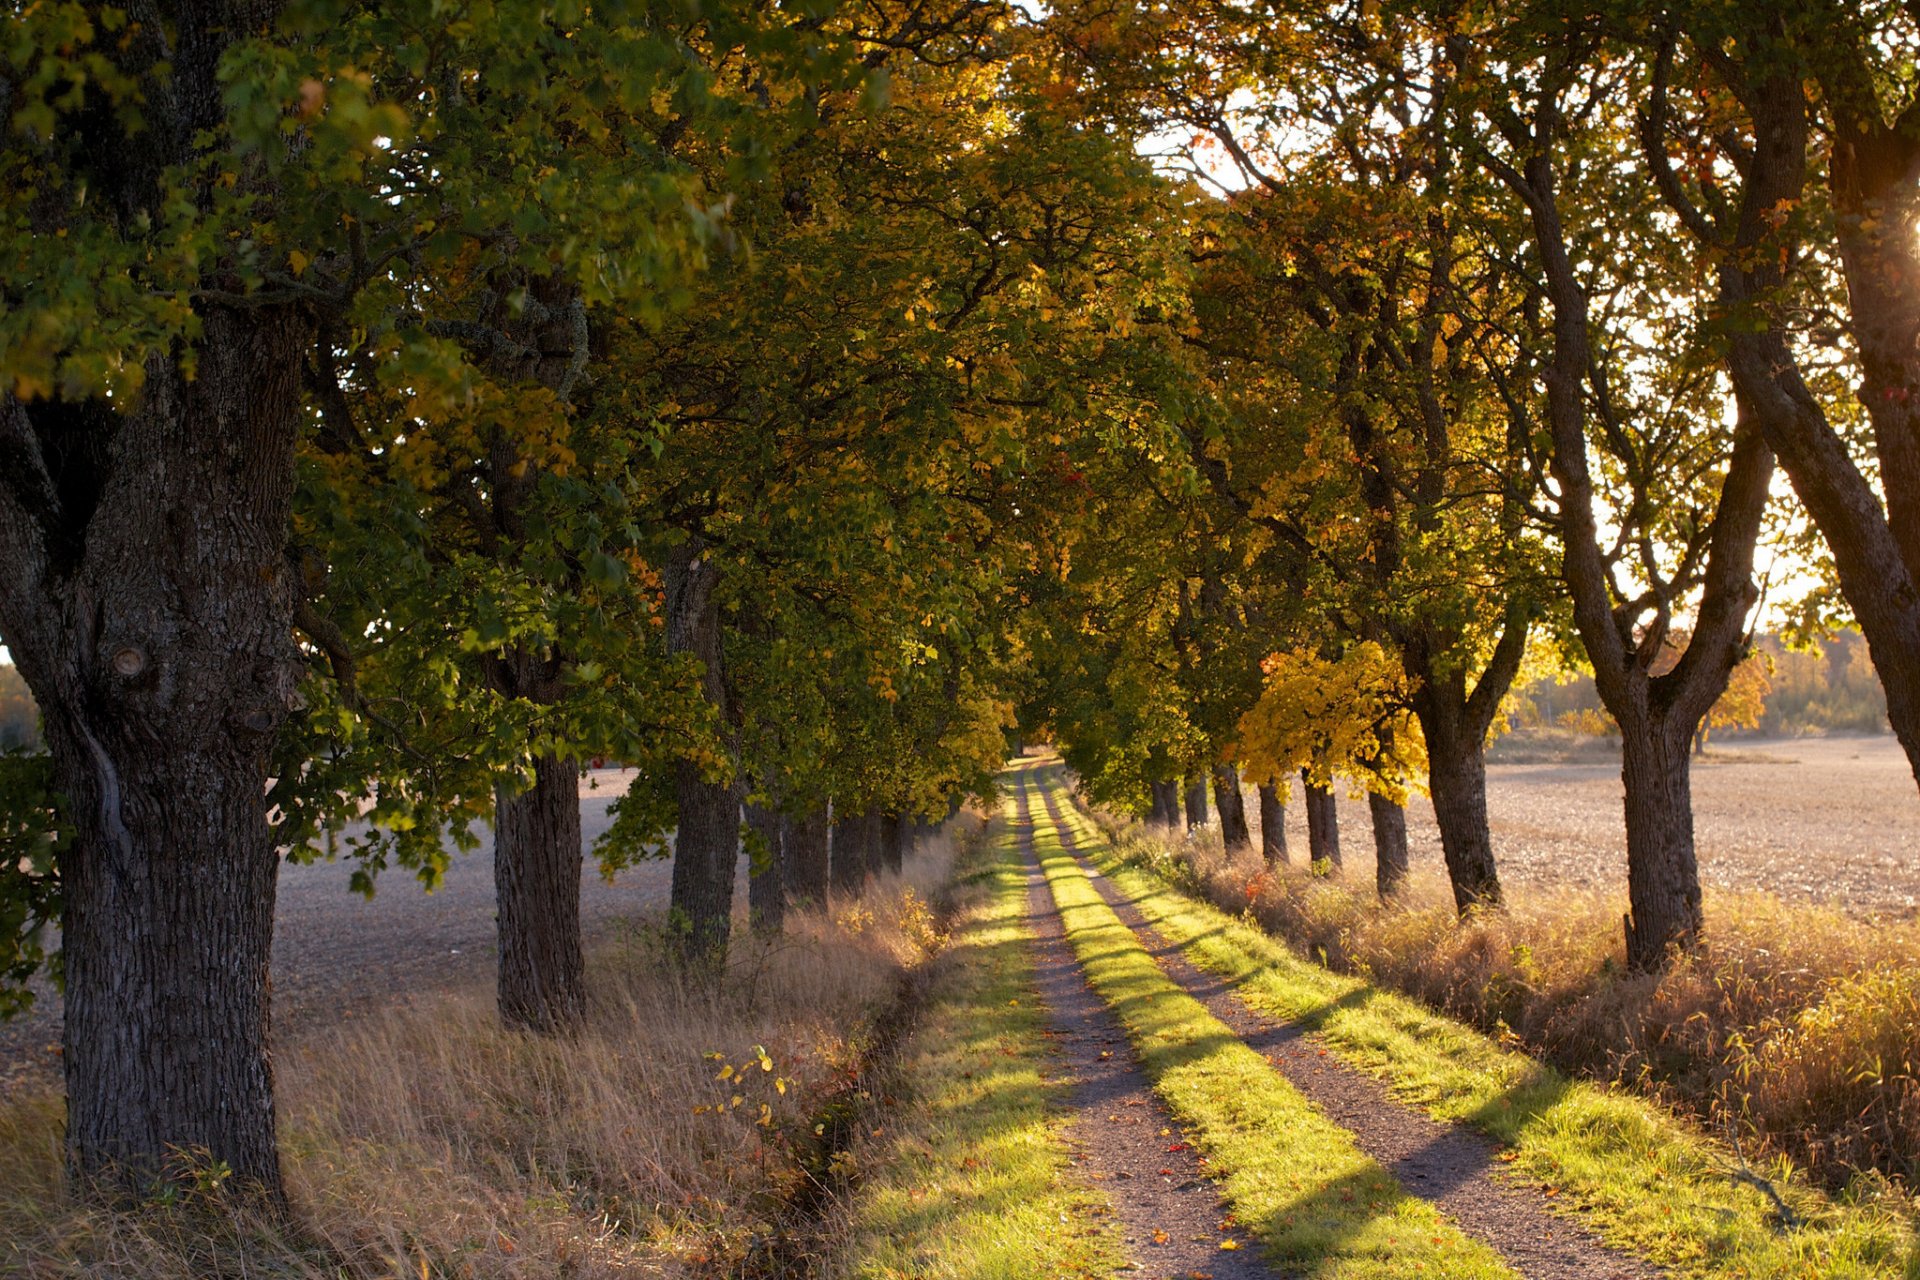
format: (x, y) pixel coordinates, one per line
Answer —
(1831, 820)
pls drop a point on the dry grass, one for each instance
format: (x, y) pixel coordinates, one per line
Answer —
(1795, 1032)
(430, 1142)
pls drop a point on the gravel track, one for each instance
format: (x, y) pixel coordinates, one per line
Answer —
(1120, 1135)
(1448, 1165)
(337, 955)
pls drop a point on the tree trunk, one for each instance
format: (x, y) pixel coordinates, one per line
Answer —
(1273, 826)
(146, 596)
(767, 870)
(893, 842)
(1166, 803)
(706, 842)
(1663, 877)
(536, 877)
(849, 867)
(1196, 801)
(1323, 824)
(806, 861)
(1389, 844)
(873, 841)
(1457, 779)
(1232, 806)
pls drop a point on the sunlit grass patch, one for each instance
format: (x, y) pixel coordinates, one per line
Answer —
(1642, 1178)
(1293, 1178)
(975, 1179)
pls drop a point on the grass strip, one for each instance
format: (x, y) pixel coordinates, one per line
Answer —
(1639, 1176)
(975, 1179)
(1295, 1179)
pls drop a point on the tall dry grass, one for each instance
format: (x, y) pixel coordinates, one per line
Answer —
(430, 1142)
(1795, 1031)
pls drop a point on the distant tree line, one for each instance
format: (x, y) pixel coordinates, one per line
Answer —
(19, 718)
(1780, 691)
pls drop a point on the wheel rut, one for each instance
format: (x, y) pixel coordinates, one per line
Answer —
(1121, 1137)
(1448, 1165)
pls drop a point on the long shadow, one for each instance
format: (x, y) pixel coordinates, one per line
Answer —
(1448, 1164)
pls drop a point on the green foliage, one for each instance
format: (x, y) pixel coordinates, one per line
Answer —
(32, 835)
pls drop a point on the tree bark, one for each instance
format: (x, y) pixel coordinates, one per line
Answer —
(1232, 806)
(893, 842)
(850, 858)
(1389, 844)
(1323, 824)
(706, 842)
(767, 871)
(1166, 803)
(807, 858)
(145, 594)
(1273, 826)
(1663, 877)
(873, 841)
(541, 982)
(1457, 779)
(1196, 801)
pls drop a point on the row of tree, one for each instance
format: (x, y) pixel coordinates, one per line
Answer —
(402, 407)
(1501, 327)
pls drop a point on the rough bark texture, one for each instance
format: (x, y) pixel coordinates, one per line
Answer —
(706, 843)
(536, 877)
(767, 873)
(1389, 844)
(1273, 826)
(1196, 797)
(1457, 779)
(146, 596)
(807, 858)
(1323, 824)
(1232, 806)
(1663, 878)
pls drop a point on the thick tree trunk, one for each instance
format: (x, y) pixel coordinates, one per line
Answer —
(1232, 807)
(806, 861)
(1389, 844)
(893, 842)
(873, 841)
(1663, 877)
(1323, 824)
(146, 596)
(536, 877)
(1166, 803)
(850, 858)
(706, 843)
(1273, 826)
(1196, 801)
(1457, 779)
(767, 870)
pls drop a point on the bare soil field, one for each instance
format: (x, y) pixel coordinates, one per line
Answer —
(339, 955)
(1833, 820)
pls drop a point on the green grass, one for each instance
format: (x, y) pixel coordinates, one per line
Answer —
(1639, 1176)
(974, 1179)
(1293, 1178)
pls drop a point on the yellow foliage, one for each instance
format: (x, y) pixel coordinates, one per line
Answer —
(1343, 716)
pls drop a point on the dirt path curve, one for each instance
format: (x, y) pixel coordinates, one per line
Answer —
(1448, 1165)
(1120, 1135)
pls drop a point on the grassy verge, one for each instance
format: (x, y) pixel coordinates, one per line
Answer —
(1293, 1178)
(974, 1179)
(1644, 1179)
(428, 1141)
